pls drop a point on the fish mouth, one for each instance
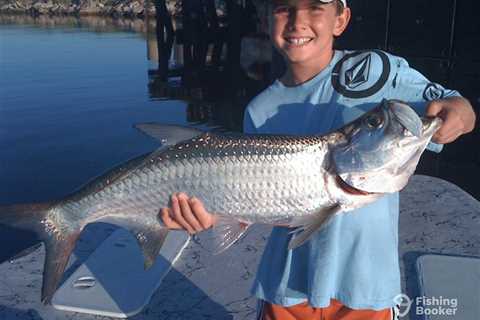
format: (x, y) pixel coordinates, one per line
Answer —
(349, 189)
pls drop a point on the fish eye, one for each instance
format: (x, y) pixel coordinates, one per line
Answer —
(374, 121)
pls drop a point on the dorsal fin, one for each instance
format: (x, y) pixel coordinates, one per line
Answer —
(168, 134)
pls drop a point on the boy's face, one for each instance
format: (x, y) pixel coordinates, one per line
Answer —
(303, 30)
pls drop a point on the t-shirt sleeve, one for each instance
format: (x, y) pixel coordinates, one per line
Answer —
(248, 126)
(414, 88)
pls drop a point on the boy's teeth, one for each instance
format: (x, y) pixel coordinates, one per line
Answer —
(298, 41)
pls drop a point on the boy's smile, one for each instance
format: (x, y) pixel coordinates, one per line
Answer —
(298, 41)
(303, 31)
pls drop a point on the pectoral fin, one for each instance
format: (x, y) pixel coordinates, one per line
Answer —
(150, 238)
(226, 232)
(307, 226)
(150, 242)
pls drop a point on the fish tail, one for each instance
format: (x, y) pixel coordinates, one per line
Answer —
(23, 216)
(59, 240)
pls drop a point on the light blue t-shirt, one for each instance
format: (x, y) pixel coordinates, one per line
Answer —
(354, 259)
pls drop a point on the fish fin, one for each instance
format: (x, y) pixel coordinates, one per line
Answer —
(150, 238)
(150, 242)
(57, 253)
(24, 216)
(408, 118)
(307, 226)
(226, 232)
(168, 134)
(58, 243)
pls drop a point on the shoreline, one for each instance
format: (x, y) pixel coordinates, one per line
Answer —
(102, 8)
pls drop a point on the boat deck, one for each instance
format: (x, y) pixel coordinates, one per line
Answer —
(435, 217)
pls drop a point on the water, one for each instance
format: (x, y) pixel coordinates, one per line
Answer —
(70, 92)
(69, 98)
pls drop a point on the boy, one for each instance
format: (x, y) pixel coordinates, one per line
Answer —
(349, 269)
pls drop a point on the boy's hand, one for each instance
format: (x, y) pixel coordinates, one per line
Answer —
(458, 117)
(187, 213)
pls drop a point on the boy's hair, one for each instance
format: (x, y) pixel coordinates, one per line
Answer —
(339, 6)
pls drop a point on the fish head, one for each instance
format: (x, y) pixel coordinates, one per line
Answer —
(382, 148)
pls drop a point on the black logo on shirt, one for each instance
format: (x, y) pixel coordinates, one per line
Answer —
(358, 74)
(433, 91)
(358, 81)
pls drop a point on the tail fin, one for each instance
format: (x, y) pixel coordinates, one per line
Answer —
(23, 216)
(59, 241)
(57, 253)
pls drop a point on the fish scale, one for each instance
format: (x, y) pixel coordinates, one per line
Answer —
(230, 171)
(299, 182)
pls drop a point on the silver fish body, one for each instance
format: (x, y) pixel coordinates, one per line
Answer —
(300, 182)
(254, 179)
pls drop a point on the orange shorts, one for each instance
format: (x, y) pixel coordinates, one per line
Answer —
(335, 311)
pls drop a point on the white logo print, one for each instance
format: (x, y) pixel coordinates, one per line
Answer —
(402, 300)
(426, 306)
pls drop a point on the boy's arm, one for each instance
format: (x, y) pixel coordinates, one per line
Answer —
(431, 99)
(457, 114)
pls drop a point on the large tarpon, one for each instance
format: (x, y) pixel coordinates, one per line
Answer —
(294, 181)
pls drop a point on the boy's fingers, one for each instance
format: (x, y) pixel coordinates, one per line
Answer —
(167, 220)
(452, 138)
(446, 137)
(433, 108)
(205, 218)
(178, 217)
(452, 127)
(443, 133)
(187, 213)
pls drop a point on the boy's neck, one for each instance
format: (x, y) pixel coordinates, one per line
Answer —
(298, 73)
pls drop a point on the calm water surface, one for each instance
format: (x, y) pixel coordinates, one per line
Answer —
(69, 96)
